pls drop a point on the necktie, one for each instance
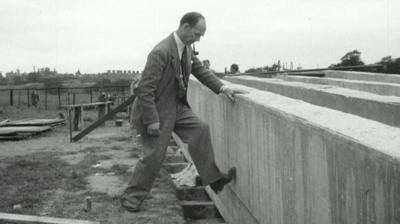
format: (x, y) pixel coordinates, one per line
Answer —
(182, 76)
(184, 65)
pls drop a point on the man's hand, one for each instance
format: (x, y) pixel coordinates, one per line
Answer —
(230, 92)
(153, 129)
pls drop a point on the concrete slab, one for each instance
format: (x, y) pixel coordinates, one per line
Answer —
(366, 76)
(301, 163)
(385, 109)
(380, 88)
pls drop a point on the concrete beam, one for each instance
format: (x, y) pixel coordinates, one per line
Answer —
(385, 109)
(300, 163)
(380, 88)
(366, 76)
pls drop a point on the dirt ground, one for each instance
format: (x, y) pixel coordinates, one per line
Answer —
(98, 166)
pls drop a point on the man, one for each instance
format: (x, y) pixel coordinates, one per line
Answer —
(234, 69)
(34, 98)
(206, 64)
(162, 107)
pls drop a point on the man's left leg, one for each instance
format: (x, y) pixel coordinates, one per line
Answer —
(196, 133)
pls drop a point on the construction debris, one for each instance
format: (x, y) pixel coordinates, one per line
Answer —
(41, 219)
(25, 128)
(35, 122)
(187, 177)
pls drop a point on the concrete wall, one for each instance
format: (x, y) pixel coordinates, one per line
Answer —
(301, 163)
(366, 76)
(380, 88)
(385, 109)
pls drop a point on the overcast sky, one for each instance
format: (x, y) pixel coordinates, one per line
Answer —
(98, 35)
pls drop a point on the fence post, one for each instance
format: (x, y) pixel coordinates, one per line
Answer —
(59, 97)
(45, 99)
(27, 94)
(101, 111)
(11, 97)
(123, 93)
(77, 118)
(19, 97)
(68, 101)
(91, 96)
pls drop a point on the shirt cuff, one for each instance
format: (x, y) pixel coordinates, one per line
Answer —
(223, 87)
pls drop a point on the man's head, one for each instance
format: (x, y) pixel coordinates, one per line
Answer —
(191, 27)
(234, 69)
(206, 64)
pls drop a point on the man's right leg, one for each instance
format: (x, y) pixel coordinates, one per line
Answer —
(146, 169)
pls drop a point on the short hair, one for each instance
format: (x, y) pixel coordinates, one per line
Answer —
(235, 66)
(192, 18)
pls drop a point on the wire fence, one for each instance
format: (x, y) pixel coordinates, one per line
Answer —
(55, 98)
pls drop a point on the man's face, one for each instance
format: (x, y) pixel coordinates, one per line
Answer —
(193, 34)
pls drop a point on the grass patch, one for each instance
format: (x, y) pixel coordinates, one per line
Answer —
(117, 147)
(88, 119)
(121, 138)
(26, 180)
(91, 149)
(119, 169)
(134, 155)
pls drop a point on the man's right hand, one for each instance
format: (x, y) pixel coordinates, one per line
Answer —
(153, 129)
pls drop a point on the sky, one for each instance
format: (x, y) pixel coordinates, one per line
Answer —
(99, 35)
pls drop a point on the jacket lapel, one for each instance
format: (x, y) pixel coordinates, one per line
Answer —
(175, 62)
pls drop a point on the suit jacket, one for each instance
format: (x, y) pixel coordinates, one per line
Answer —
(156, 93)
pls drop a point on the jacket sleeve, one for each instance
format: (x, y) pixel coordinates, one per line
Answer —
(148, 84)
(205, 76)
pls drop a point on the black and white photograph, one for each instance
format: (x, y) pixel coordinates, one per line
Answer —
(199, 112)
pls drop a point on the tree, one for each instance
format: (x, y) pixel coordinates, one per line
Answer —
(17, 80)
(351, 58)
(33, 77)
(103, 83)
(52, 82)
(390, 65)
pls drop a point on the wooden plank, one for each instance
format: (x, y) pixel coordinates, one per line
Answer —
(35, 122)
(4, 122)
(81, 121)
(183, 146)
(101, 120)
(86, 104)
(28, 129)
(13, 137)
(41, 219)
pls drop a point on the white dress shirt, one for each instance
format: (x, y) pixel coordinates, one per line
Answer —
(179, 44)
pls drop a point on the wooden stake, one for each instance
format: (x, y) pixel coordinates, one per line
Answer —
(41, 219)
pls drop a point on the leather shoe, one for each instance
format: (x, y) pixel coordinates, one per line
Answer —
(131, 204)
(218, 185)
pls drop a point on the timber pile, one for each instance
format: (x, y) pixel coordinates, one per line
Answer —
(35, 122)
(26, 128)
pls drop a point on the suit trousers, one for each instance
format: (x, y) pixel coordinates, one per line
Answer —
(192, 131)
